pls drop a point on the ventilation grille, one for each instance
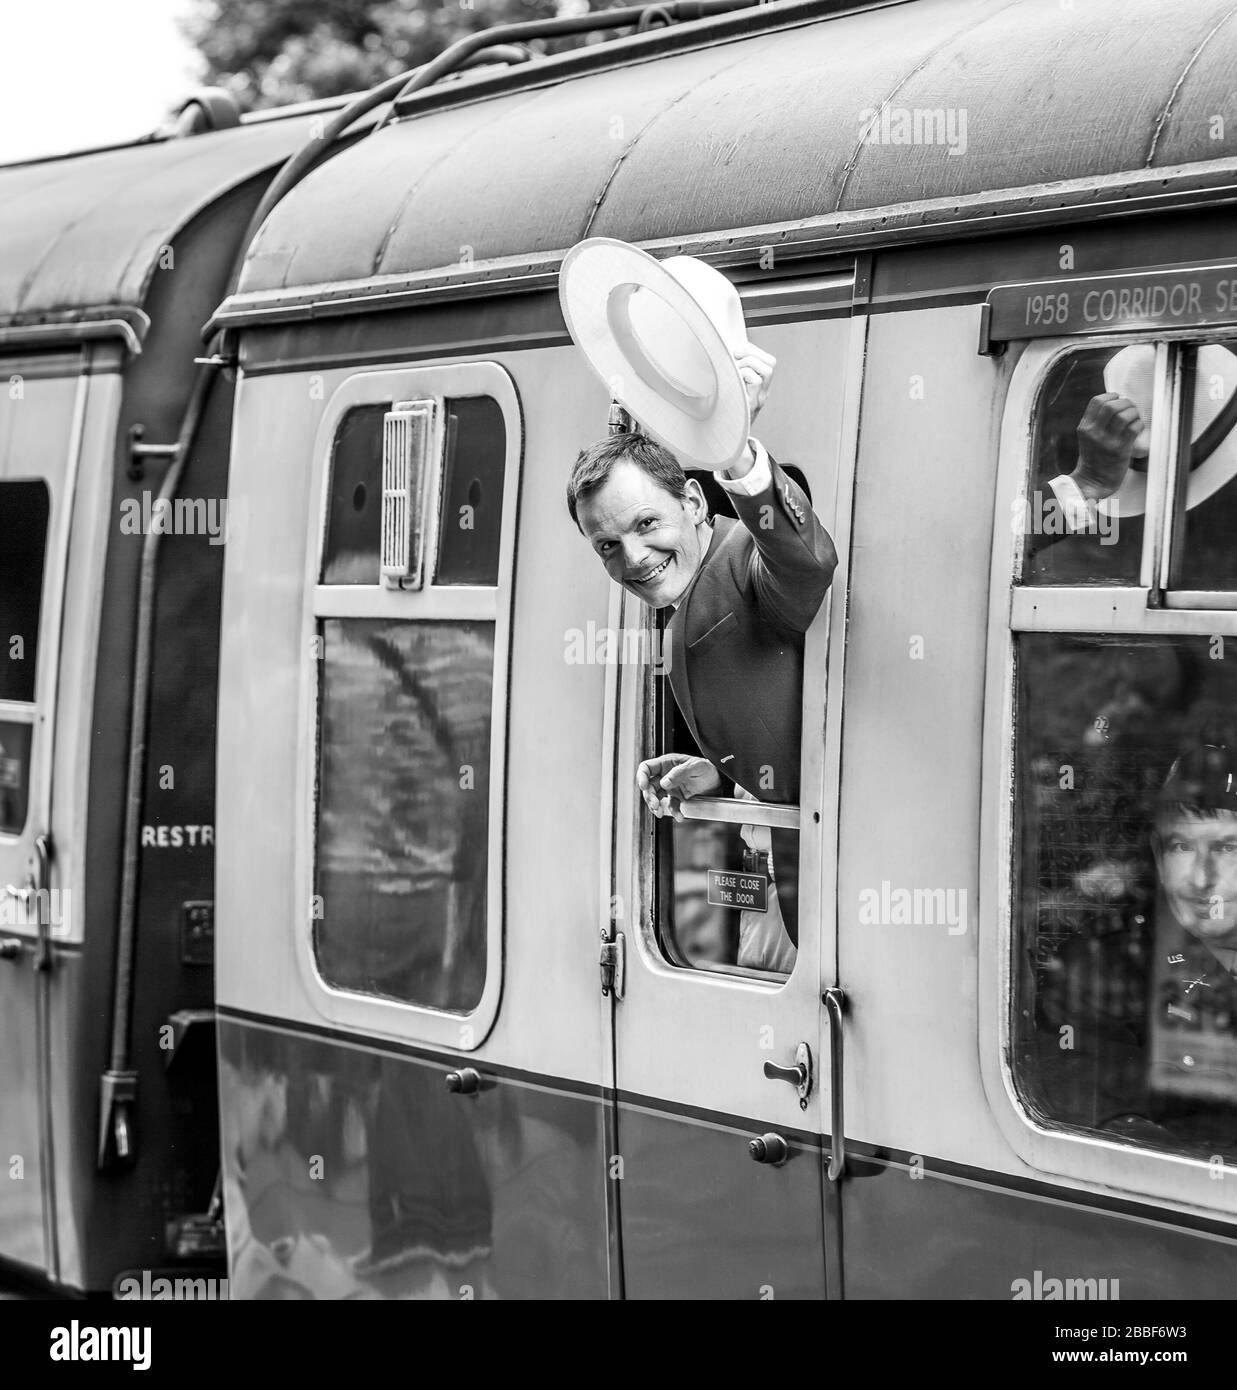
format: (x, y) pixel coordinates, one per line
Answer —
(407, 438)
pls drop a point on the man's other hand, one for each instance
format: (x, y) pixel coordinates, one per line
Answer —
(1106, 435)
(756, 370)
(668, 781)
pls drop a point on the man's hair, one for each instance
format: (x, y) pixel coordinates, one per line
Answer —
(1202, 783)
(595, 464)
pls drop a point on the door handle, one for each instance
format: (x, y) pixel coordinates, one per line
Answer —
(36, 882)
(835, 1001)
(769, 1148)
(36, 879)
(465, 1082)
(11, 947)
(799, 1076)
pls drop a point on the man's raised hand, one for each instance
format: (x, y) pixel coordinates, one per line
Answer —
(1107, 433)
(756, 370)
(668, 781)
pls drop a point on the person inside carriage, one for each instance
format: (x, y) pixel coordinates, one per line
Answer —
(1085, 518)
(1139, 975)
(739, 593)
(1124, 1017)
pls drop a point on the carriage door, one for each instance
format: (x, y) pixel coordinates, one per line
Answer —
(42, 404)
(722, 1048)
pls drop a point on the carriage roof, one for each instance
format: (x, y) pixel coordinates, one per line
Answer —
(757, 120)
(81, 236)
(670, 139)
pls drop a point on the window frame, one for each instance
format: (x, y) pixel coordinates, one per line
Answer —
(1126, 610)
(637, 712)
(455, 602)
(90, 375)
(31, 713)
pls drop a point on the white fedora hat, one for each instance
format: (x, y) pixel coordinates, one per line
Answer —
(1131, 373)
(662, 336)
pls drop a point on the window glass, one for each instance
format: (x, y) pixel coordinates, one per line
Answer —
(24, 510)
(1111, 551)
(726, 893)
(1125, 906)
(403, 809)
(1205, 556)
(721, 895)
(354, 507)
(472, 492)
(14, 776)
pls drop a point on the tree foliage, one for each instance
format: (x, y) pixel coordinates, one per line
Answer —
(273, 52)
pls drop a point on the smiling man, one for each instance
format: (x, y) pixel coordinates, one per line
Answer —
(742, 594)
(1193, 957)
(1195, 848)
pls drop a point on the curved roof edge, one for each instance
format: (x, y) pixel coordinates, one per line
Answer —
(80, 238)
(825, 120)
(1147, 191)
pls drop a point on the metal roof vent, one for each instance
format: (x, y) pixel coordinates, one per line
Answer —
(209, 108)
(407, 441)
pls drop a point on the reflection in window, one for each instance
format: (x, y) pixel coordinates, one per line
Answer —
(727, 894)
(1206, 504)
(403, 808)
(708, 871)
(350, 554)
(470, 522)
(14, 776)
(1125, 908)
(24, 509)
(1110, 553)
(472, 492)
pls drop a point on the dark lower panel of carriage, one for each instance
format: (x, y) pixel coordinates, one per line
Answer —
(351, 1172)
(958, 1233)
(701, 1220)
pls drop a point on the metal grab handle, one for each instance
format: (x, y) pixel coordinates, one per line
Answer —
(741, 812)
(835, 1001)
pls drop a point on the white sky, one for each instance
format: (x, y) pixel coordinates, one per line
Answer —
(75, 73)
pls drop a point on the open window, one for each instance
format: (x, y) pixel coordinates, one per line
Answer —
(1112, 851)
(410, 625)
(723, 883)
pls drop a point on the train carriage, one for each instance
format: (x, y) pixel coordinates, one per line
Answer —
(482, 1026)
(108, 1112)
(869, 180)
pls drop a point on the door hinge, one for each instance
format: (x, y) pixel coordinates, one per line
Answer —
(613, 964)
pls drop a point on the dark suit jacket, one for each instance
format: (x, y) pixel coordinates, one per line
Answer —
(736, 665)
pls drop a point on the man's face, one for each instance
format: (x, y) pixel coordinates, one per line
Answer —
(1197, 861)
(649, 541)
